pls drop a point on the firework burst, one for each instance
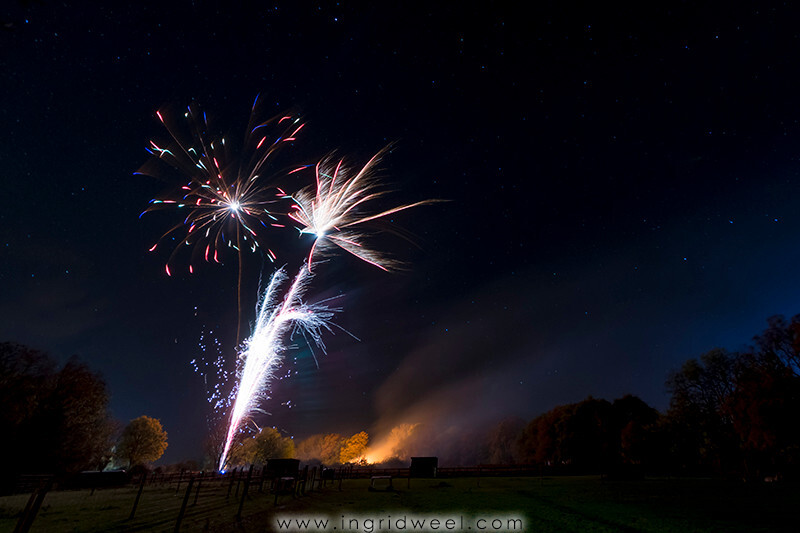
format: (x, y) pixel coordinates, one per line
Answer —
(227, 200)
(335, 209)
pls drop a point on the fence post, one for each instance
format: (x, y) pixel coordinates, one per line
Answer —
(230, 485)
(261, 481)
(199, 482)
(313, 477)
(244, 492)
(32, 508)
(183, 505)
(138, 496)
(238, 484)
(180, 478)
(305, 479)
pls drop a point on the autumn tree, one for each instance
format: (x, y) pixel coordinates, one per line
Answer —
(265, 445)
(764, 408)
(354, 447)
(542, 439)
(324, 448)
(143, 441)
(766, 400)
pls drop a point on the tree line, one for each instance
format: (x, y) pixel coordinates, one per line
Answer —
(730, 413)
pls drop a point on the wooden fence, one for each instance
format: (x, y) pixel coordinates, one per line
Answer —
(201, 495)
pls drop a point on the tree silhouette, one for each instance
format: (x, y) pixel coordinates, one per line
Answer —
(735, 412)
(503, 441)
(701, 429)
(591, 436)
(214, 443)
(78, 406)
(54, 420)
(636, 423)
(779, 344)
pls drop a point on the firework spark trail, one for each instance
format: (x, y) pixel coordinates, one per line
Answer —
(264, 350)
(332, 209)
(221, 195)
(215, 376)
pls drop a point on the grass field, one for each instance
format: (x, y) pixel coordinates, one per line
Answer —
(550, 504)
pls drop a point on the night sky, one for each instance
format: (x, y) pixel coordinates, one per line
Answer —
(622, 189)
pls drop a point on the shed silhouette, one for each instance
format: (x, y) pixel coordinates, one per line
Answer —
(423, 466)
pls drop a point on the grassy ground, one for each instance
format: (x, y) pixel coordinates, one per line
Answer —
(549, 504)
